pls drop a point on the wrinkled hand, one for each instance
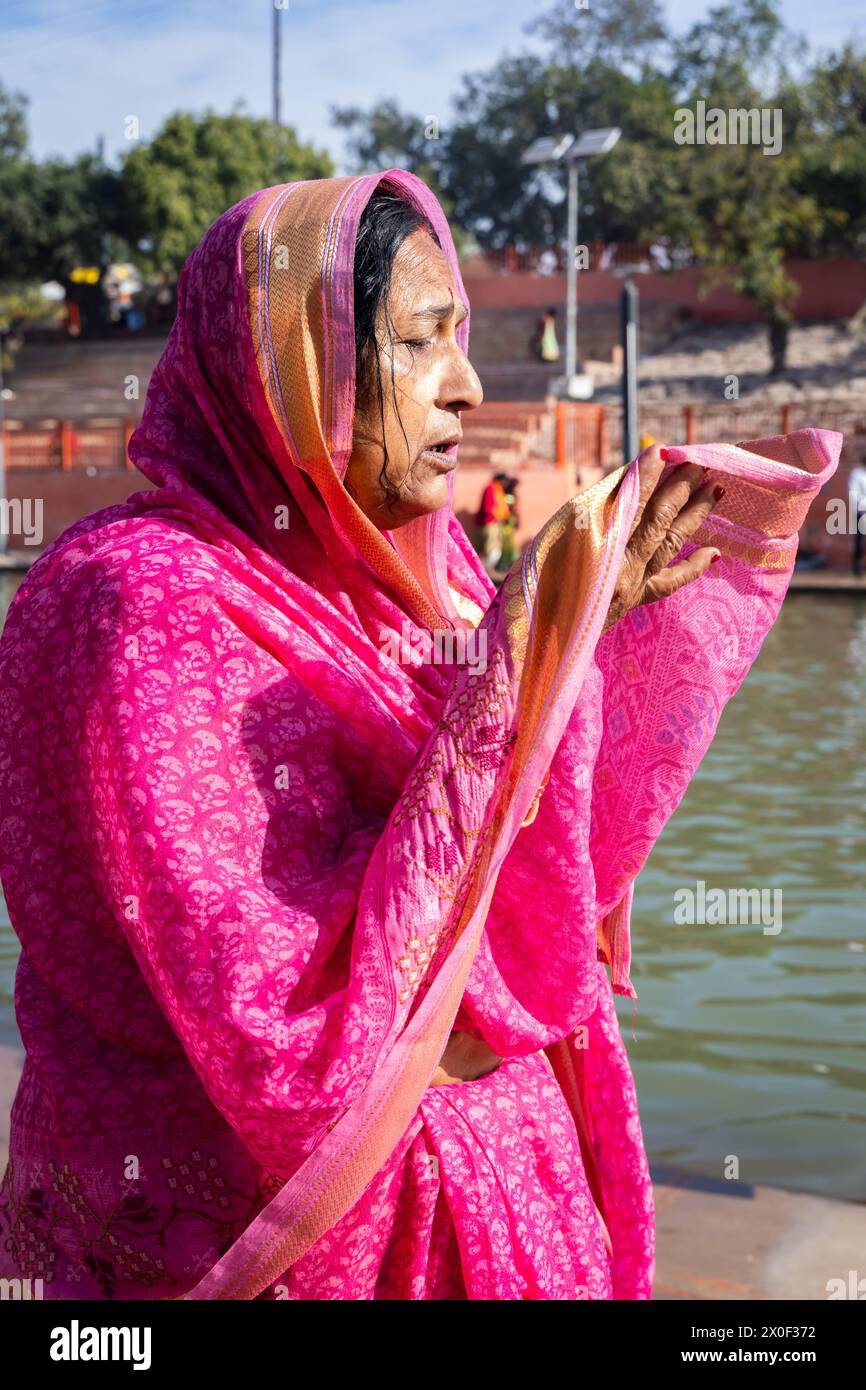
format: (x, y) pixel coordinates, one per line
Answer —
(667, 515)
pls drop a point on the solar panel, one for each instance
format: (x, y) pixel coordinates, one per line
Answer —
(595, 142)
(547, 149)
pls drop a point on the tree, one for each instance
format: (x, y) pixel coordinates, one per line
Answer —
(625, 35)
(826, 117)
(53, 215)
(740, 210)
(196, 167)
(17, 205)
(612, 62)
(384, 137)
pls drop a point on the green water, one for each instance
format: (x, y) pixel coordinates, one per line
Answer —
(750, 1044)
(747, 1044)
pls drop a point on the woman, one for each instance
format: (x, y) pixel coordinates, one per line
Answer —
(316, 914)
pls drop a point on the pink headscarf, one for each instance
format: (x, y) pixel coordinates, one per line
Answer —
(239, 827)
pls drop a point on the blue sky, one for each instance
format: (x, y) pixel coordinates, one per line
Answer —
(86, 66)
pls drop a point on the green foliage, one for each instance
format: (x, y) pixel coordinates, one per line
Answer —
(387, 138)
(54, 214)
(20, 304)
(13, 125)
(175, 185)
(614, 63)
(619, 33)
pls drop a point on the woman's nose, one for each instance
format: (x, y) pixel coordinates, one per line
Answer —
(461, 386)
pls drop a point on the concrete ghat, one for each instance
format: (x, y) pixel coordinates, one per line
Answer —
(726, 1240)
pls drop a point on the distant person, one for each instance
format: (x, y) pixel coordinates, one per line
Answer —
(544, 344)
(510, 524)
(494, 510)
(857, 509)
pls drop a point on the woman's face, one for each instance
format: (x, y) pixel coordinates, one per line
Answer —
(433, 381)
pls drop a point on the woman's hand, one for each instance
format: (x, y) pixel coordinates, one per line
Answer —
(465, 1059)
(667, 515)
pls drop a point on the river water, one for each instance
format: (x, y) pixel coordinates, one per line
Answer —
(747, 1044)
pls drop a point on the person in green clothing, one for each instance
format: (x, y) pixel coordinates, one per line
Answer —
(509, 525)
(545, 344)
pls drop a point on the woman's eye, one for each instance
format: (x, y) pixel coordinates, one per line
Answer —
(417, 343)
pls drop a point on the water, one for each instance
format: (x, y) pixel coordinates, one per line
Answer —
(749, 1044)
(745, 1044)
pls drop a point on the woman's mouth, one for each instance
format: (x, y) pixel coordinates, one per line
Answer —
(442, 456)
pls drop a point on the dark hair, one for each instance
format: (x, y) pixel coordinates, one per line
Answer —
(386, 222)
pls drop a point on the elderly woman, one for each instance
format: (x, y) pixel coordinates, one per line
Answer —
(316, 913)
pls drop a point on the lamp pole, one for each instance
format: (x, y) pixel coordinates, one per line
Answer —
(571, 283)
(276, 72)
(629, 370)
(554, 149)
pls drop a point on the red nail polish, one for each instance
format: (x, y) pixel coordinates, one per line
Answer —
(664, 454)
(715, 558)
(718, 492)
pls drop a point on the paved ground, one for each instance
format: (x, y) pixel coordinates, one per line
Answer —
(827, 582)
(726, 1240)
(716, 1240)
(823, 361)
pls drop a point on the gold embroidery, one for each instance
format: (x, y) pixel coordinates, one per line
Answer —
(755, 553)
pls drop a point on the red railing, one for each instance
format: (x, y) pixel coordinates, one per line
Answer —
(66, 445)
(581, 435)
(587, 433)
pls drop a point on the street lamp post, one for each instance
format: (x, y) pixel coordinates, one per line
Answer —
(571, 276)
(629, 309)
(554, 149)
(276, 68)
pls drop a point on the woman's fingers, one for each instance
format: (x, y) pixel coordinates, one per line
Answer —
(688, 519)
(663, 508)
(667, 581)
(667, 515)
(651, 468)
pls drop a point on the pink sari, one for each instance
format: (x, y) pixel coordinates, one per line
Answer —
(261, 866)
